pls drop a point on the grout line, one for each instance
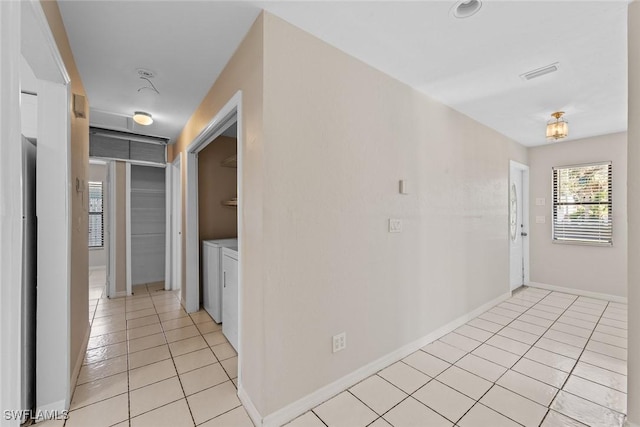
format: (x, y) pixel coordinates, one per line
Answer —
(318, 416)
(184, 394)
(581, 353)
(476, 401)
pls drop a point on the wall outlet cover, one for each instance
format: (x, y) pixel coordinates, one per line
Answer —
(541, 219)
(339, 342)
(540, 201)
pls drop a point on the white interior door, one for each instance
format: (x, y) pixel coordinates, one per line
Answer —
(517, 232)
(176, 226)
(106, 229)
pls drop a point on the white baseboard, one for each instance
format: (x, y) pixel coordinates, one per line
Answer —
(119, 294)
(299, 407)
(590, 294)
(58, 406)
(97, 267)
(249, 406)
(78, 364)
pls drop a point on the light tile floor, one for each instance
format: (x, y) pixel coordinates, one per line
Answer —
(538, 359)
(149, 363)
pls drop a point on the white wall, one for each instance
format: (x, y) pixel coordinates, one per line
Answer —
(98, 173)
(588, 268)
(633, 149)
(338, 136)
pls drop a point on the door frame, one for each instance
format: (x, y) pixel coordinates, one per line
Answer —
(25, 31)
(524, 170)
(127, 227)
(230, 113)
(173, 269)
(111, 227)
(129, 163)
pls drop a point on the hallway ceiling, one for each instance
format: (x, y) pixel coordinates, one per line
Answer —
(472, 64)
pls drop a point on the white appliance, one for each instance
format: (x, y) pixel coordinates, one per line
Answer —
(212, 276)
(230, 295)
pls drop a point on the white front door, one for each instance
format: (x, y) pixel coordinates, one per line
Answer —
(517, 231)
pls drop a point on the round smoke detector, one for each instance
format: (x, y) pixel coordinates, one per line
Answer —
(147, 74)
(466, 8)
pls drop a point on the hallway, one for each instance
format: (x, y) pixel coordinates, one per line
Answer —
(538, 359)
(149, 362)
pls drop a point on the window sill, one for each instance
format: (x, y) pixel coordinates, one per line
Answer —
(581, 243)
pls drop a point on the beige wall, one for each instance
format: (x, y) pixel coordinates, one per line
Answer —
(589, 268)
(216, 183)
(633, 191)
(319, 186)
(121, 227)
(243, 72)
(79, 164)
(98, 173)
(338, 135)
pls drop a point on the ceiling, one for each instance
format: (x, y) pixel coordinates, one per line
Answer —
(472, 64)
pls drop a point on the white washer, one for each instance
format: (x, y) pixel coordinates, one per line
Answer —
(212, 275)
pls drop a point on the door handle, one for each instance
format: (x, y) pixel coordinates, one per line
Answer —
(524, 234)
(224, 279)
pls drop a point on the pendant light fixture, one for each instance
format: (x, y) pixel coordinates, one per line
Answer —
(558, 127)
(142, 118)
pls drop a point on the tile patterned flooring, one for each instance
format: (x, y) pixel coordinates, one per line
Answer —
(538, 359)
(149, 363)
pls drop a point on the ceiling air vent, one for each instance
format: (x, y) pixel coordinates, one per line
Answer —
(541, 71)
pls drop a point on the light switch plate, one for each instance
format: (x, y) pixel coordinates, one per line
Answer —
(541, 219)
(404, 186)
(540, 201)
(395, 225)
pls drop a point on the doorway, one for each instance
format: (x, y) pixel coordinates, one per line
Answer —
(229, 115)
(145, 224)
(24, 28)
(174, 248)
(518, 225)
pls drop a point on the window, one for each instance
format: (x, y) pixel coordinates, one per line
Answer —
(96, 215)
(582, 204)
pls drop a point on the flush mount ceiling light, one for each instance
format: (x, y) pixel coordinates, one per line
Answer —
(558, 127)
(142, 118)
(466, 8)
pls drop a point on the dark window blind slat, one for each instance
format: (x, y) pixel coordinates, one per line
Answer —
(96, 215)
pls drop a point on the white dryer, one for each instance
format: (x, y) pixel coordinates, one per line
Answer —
(212, 275)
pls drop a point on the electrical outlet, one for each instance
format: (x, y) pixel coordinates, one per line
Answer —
(540, 201)
(541, 219)
(339, 342)
(395, 225)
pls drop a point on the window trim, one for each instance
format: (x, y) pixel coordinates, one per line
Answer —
(610, 205)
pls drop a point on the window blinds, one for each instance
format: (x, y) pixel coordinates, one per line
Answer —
(109, 144)
(582, 204)
(96, 215)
